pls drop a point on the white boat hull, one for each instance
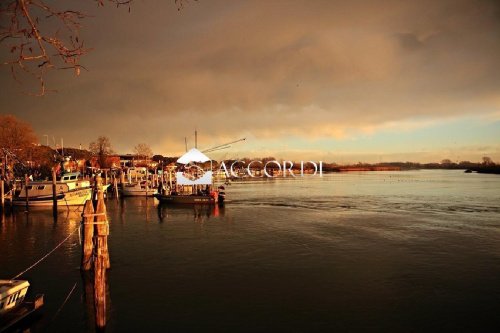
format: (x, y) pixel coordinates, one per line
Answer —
(71, 198)
(138, 193)
(139, 189)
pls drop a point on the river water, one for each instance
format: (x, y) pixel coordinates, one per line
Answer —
(406, 251)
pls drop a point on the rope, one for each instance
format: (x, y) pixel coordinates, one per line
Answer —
(92, 215)
(48, 254)
(106, 223)
(64, 303)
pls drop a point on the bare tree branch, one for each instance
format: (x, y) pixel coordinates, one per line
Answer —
(35, 48)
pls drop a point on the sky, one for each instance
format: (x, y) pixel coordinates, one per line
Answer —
(338, 81)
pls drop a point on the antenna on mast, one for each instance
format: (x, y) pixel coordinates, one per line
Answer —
(195, 138)
(223, 146)
(186, 143)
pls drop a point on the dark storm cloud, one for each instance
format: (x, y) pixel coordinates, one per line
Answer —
(273, 68)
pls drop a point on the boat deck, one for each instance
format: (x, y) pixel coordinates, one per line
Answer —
(15, 316)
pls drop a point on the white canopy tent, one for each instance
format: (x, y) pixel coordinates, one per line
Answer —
(193, 155)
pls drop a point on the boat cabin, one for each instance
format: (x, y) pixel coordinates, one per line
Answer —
(12, 293)
(66, 183)
(70, 176)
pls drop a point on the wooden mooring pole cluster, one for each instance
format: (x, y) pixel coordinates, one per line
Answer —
(95, 252)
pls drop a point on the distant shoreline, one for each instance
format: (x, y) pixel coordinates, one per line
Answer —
(479, 169)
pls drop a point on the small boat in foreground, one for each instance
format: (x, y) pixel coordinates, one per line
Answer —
(13, 307)
(12, 293)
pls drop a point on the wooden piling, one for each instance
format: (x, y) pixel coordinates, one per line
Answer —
(88, 234)
(95, 224)
(122, 179)
(100, 284)
(115, 187)
(2, 194)
(101, 227)
(101, 262)
(26, 190)
(54, 189)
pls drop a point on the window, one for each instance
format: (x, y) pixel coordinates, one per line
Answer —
(41, 187)
(29, 187)
(12, 298)
(73, 177)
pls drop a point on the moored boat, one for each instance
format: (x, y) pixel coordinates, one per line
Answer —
(141, 188)
(193, 185)
(12, 293)
(13, 306)
(176, 198)
(70, 191)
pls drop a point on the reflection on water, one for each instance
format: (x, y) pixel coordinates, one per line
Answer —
(392, 251)
(200, 213)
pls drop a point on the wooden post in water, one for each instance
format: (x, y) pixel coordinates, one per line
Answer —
(115, 187)
(101, 228)
(100, 284)
(122, 179)
(88, 233)
(26, 190)
(54, 190)
(170, 180)
(2, 194)
(101, 262)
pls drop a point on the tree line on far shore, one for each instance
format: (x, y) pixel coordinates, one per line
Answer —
(20, 151)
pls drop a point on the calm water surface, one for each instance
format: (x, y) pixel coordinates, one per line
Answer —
(376, 251)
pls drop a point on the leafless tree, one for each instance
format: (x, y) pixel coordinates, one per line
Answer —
(40, 37)
(142, 150)
(487, 160)
(102, 149)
